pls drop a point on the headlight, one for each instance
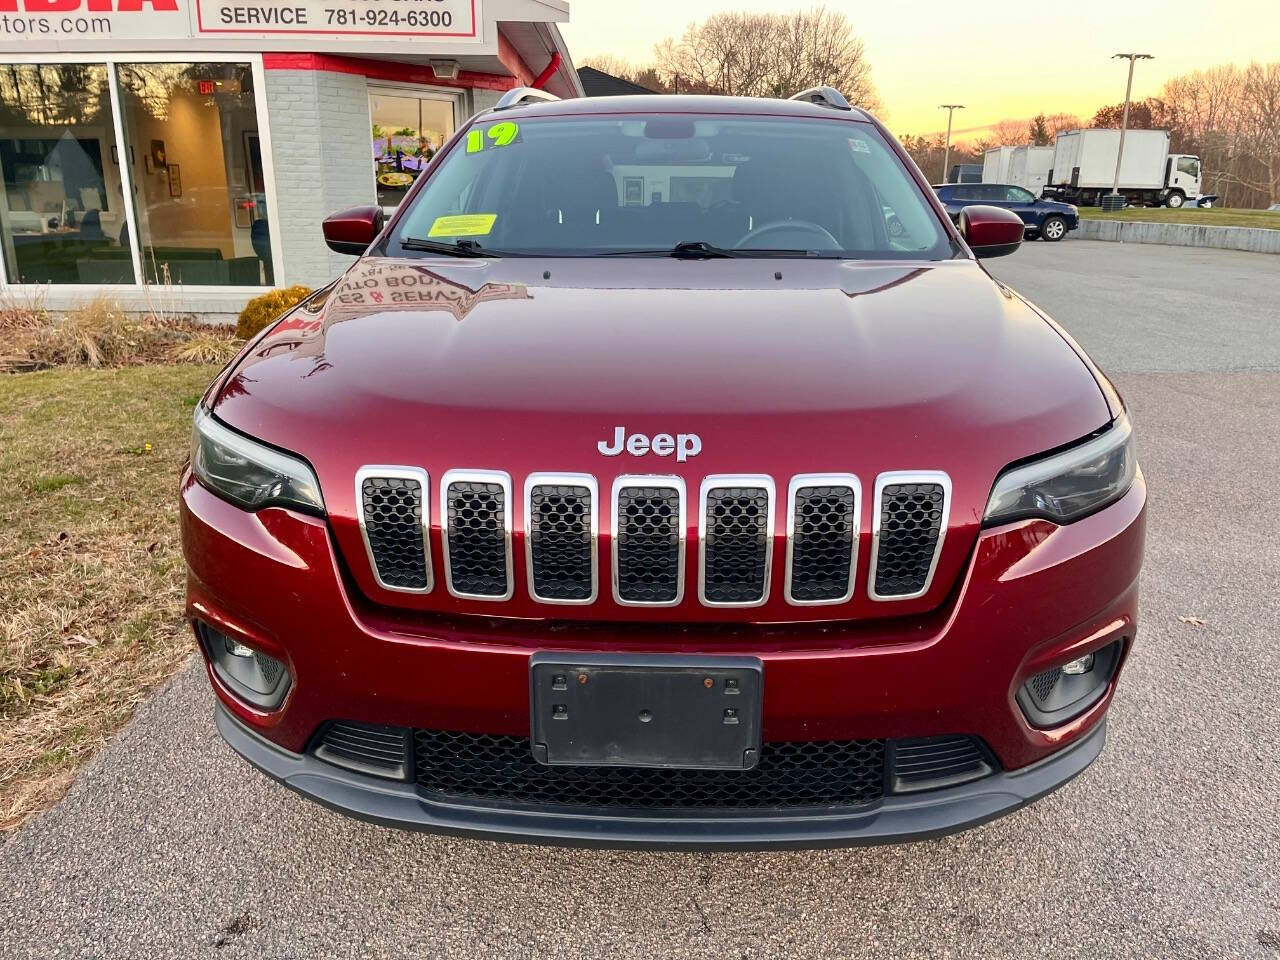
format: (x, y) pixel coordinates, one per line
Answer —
(1067, 485)
(250, 474)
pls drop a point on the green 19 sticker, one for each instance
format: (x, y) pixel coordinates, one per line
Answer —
(499, 135)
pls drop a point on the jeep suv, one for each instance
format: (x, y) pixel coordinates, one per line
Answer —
(667, 471)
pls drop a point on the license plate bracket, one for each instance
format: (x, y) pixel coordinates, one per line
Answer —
(651, 710)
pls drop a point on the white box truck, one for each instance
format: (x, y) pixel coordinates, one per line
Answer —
(1029, 167)
(995, 165)
(1084, 167)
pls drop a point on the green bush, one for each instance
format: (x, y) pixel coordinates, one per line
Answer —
(262, 310)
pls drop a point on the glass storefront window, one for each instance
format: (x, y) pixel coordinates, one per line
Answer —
(192, 134)
(62, 214)
(407, 132)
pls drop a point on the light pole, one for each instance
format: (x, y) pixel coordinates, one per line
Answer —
(1124, 121)
(951, 108)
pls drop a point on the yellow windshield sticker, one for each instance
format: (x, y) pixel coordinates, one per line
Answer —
(463, 225)
(499, 135)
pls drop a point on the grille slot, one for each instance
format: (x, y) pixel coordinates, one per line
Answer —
(736, 541)
(928, 763)
(822, 523)
(467, 767)
(366, 747)
(561, 530)
(910, 524)
(394, 519)
(648, 541)
(477, 540)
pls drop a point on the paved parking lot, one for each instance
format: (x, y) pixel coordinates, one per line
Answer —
(1169, 846)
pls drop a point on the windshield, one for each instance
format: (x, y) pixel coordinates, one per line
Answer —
(724, 186)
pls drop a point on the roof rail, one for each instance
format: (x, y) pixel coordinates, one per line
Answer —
(823, 97)
(521, 95)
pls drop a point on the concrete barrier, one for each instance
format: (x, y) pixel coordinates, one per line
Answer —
(1253, 239)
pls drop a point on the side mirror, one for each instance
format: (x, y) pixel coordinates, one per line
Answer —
(351, 231)
(991, 231)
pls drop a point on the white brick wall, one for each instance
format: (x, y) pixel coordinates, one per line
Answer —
(323, 160)
(483, 99)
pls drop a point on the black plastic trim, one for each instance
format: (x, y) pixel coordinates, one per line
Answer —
(895, 819)
(1107, 660)
(268, 700)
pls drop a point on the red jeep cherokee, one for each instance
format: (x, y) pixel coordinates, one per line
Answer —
(669, 472)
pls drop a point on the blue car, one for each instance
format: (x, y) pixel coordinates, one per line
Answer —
(1047, 219)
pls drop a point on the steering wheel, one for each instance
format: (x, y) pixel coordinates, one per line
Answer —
(777, 226)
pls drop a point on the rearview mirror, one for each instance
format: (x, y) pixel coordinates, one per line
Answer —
(351, 231)
(991, 231)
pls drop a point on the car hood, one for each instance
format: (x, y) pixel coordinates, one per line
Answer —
(781, 367)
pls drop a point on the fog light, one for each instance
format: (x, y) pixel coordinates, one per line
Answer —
(255, 677)
(1056, 695)
(1079, 666)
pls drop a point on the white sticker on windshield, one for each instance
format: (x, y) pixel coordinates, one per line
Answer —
(859, 146)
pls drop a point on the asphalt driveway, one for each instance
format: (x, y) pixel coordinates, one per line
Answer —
(1169, 846)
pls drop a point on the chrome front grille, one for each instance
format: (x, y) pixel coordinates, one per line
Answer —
(560, 516)
(735, 541)
(822, 538)
(560, 537)
(648, 541)
(395, 520)
(910, 524)
(477, 537)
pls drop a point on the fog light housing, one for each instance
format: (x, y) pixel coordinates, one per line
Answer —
(1054, 696)
(256, 678)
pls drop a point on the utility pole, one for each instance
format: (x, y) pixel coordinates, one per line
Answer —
(951, 108)
(1124, 122)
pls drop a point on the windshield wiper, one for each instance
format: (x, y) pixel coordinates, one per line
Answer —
(684, 250)
(460, 248)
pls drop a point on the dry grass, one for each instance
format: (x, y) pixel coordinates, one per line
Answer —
(102, 334)
(91, 577)
(98, 334)
(205, 347)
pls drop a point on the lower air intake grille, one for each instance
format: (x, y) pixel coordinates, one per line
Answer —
(822, 543)
(647, 563)
(561, 545)
(367, 748)
(815, 774)
(392, 513)
(735, 545)
(910, 525)
(932, 762)
(477, 538)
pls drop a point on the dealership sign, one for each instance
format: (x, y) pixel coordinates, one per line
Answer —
(32, 25)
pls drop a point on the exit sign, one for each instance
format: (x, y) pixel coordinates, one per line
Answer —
(207, 88)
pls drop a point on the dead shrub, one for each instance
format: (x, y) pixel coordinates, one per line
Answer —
(97, 334)
(206, 346)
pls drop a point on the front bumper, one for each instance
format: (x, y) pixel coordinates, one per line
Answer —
(1033, 596)
(893, 819)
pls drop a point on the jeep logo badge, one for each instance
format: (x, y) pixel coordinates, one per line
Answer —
(683, 445)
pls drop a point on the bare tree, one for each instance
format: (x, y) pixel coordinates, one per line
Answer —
(1230, 118)
(1261, 125)
(608, 63)
(769, 55)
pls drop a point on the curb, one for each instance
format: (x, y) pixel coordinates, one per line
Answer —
(1251, 239)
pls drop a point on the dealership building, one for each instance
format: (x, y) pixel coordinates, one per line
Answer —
(183, 153)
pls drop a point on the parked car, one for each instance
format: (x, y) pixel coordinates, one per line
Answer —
(575, 514)
(1047, 219)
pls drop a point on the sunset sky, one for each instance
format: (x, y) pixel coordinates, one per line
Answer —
(1001, 58)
